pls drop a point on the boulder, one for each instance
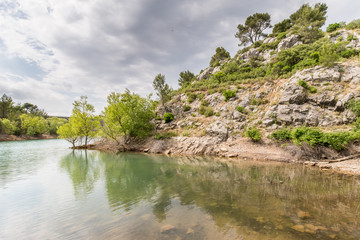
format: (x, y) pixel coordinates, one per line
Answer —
(293, 93)
(289, 42)
(205, 73)
(218, 129)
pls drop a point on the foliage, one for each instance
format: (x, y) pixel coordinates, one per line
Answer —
(253, 28)
(84, 120)
(128, 114)
(186, 108)
(68, 132)
(54, 123)
(220, 54)
(282, 26)
(229, 94)
(241, 109)
(353, 24)
(168, 117)
(6, 105)
(166, 135)
(334, 26)
(354, 106)
(206, 111)
(254, 134)
(9, 127)
(281, 134)
(162, 89)
(308, 20)
(186, 78)
(191, 97)
(33, 125)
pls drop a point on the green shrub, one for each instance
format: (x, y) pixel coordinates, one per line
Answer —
(166, 135)
(332, 27)
(354, 106)
(241, 109)
(303, 84)
(254, 134)
(312, 89)
(257, 44)
(353, 24)
(191, 97)
(282, 26)
(9, 127)
(206, 111)
(204, 103)
(168, 117)
(186, 108)
(200, 96)
(282, 134)
(281, 36)
(229, 94)
(158, 118)
(312, 136)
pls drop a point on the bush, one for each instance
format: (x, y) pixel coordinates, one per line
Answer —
(332, 27)
(354, 106)
(206, 111)
(282, 134)
(168, 117)
(254, 134)
(204, 103)
(312, 136)
(282, 26)
(191, 97)
(241, 109)
(353, 24)
(9, 127)
(304, 84)
(229, 94)
(186, 108)
(166, 135)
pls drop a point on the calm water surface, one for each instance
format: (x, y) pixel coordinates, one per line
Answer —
(50, 192)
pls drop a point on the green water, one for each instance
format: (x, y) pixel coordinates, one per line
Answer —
(49, 192)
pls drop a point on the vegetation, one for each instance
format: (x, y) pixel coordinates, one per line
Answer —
(229, 94)
(168, 117)
(166, 135)
(335, 26)
(127, 115)
(241, 109)
(353, 24)
(253, 29)
(254, 134)
(304, 84)
(282, 26)
(186, 78)
(162, 89)
(220, 54)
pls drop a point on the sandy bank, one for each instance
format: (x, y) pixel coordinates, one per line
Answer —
(5, 138)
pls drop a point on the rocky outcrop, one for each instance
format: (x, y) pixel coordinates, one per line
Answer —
(289, 42)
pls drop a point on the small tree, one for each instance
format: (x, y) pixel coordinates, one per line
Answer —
(253, 29)
(6, 105)
(282, 26)
(162, 89)
(129, 115)
(186, 78)
(84, 121)
(220, 54)
(68, 132)
(308, 20)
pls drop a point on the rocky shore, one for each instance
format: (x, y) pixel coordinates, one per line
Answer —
(6, 138)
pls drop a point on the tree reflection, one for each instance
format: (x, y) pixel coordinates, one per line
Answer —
(83, 169)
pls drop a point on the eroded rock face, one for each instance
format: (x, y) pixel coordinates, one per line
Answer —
(289, 42)
(218, 129)
(293, 93)
(205, 73)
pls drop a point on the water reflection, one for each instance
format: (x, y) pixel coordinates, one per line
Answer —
(242, 199)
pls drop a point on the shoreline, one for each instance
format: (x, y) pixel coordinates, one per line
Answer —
(346, 162)
(10, 138)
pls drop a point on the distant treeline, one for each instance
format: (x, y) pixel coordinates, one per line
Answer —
(26, 119)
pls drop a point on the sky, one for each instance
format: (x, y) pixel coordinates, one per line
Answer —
(52, 52)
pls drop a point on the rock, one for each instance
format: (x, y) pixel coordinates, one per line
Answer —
(299, 228)
(215, 70)
(166, 228)
(238, 116)
(352, 75)
(302, 214)
(219, 129)
(293, 93)
(340, 105)
(189, 231)
(289, 42)
(205, 73)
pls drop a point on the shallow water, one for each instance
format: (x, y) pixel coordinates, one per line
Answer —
(47, 191)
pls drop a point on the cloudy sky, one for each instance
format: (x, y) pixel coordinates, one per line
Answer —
(52, 52)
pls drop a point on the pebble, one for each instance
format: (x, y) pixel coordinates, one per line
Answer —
(166, 228)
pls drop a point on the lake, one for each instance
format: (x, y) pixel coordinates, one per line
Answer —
(48, 191)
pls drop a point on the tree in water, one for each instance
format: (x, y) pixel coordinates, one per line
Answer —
(253, 29)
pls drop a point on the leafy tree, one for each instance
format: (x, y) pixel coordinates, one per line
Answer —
(163, 90)
(308, 20)
(9, 127)
(353, 24)
(186, 78)
(54, 123)
(220, 54)
(253, 29)
(68, 132)
(6, 104)
(33, 125)
(83, 119)
(282, 26)
(128, 114)
(33, 110)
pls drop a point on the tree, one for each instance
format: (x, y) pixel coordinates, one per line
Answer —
(83, 119)
(162, 89)
(129, 115)
(220, 54)
(186, 78)
(33, 110)
(68, 132)
(308, 20)
(33, 125)
(253, 29)
(282, 26)
(6, 105)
